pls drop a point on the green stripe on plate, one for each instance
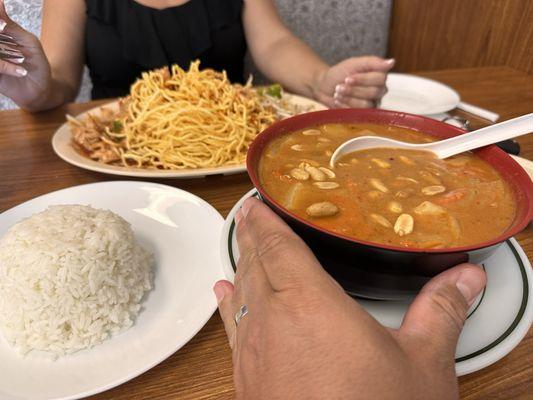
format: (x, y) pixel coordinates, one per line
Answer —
(518, 318)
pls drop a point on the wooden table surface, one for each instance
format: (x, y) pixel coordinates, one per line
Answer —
(202, 368)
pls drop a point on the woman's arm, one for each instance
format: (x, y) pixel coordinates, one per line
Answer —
(284, 58)
(51, 72)
(280, 55)
(62, 37)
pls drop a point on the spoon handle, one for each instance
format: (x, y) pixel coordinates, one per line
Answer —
(484, 136)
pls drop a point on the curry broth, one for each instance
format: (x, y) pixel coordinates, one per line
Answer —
(391, 196)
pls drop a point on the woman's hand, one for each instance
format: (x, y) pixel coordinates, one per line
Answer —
(357, 82)
(27, 82)
(304, 338)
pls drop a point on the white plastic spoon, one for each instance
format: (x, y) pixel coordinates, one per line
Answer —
(444, 148)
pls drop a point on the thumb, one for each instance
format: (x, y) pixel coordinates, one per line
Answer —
(11, 28)
(4, 18)
(437, 315)
(224, 293)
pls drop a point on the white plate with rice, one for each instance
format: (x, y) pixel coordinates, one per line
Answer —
(182, 231)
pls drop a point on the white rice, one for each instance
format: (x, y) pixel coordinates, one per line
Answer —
(70, 278)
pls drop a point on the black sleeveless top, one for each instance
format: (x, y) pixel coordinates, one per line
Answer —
(124, 38)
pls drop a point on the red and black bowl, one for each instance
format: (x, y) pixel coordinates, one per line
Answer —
(377, 270)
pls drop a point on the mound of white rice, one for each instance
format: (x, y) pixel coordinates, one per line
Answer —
(70, 277)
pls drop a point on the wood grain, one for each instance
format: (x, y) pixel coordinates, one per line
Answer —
(432, 35)
(202, 368)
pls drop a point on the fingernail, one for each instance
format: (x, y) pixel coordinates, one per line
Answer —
(21, 71)
(390, 61)
(338, 96)
(219, 292)
(470, 285)
(238, 217)
(338, 88)
(2, 25)
(246, 206)
(349, 80)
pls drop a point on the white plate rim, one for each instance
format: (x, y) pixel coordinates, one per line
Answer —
(516, 331)
(467, 364)
(435, 110)
(179, 344)
(61, 145)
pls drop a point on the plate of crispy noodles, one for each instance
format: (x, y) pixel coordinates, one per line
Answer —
(176, 124)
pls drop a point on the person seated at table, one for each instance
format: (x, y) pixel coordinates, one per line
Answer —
(335, 30)
(303, 337)
(120, 39)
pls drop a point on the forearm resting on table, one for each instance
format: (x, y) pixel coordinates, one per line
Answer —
(290, 62)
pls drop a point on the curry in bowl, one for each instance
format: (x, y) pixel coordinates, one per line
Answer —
(395, 197)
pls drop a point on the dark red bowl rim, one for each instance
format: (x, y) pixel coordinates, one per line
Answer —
(510, 170)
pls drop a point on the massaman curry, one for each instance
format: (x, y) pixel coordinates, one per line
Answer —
(391, 196)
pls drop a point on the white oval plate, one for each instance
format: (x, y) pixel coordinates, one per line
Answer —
(183, 231)
(495, 326)
(416, 95)
(61, 142)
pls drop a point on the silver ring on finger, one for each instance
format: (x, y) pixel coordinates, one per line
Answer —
(240, 314)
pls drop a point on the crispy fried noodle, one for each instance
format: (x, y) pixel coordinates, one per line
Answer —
(178, 120)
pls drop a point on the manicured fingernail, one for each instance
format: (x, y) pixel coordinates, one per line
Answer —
(2, 25)
(238, 217)
(219, 292)
(339, 97)
(21, 71)
(390, 61)
(469, 285)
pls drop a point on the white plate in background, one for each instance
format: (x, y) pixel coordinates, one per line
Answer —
(416, 95)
